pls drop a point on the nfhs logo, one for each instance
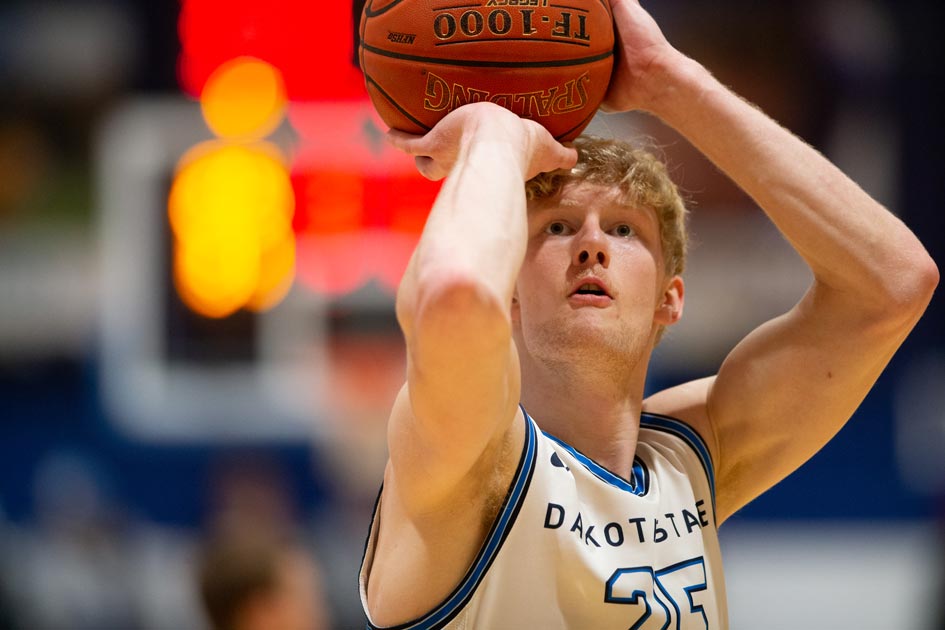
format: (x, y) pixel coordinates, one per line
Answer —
(400, 38)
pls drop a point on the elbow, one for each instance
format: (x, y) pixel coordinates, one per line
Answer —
(922, 280)
(930, 276)
(912, 288)
(928, 283)
(454, 306)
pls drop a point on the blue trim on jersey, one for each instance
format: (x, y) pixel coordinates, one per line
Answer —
(454, 603)
(639, 474)
(688, 435)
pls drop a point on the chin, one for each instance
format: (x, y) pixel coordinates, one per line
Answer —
(587, 341)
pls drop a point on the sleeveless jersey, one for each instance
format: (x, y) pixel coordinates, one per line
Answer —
(576, 546)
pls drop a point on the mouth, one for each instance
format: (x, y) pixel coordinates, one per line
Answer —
(591, 287)
(590, 292)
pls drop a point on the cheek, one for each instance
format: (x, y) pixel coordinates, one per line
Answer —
(538, 271)
(641, 276)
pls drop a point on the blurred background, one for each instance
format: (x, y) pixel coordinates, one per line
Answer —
(201, 232)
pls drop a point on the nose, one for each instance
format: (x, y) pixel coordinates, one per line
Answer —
(590, 247)
(585, 255)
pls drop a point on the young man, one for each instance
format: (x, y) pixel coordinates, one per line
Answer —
(530, 485)
(254, 581)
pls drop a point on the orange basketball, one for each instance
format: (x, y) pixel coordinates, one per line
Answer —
(547, 60)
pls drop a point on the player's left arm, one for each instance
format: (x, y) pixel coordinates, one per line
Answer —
(791, 384)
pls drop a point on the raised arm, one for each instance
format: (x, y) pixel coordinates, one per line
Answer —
(453, 303)
(790, 385)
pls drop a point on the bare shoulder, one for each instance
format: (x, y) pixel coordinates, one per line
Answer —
(426, 480)
(688, 402)
(424, 548)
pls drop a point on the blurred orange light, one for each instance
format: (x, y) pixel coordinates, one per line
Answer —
(230, 209)
(243, 99)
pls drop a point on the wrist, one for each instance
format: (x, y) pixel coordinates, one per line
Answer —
(679, 83)
(498, 152)
(498, 139)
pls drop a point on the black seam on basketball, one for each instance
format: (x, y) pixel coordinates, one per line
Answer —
(577, 126)
(458, 6)
(368, 79)
(564, 6)
(362, 27)
(554, 63)
(368, 11)
(513, 39)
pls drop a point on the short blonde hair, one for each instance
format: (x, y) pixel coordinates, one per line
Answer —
(641, 176)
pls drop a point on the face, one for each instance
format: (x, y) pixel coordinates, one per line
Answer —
(592, 286)
(296, 602)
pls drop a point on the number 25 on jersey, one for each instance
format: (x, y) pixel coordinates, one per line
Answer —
(661, 599)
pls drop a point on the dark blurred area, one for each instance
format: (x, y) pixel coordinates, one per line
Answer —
(138, 438)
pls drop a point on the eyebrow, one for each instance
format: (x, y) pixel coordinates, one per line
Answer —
(545, 208)
(571, 203)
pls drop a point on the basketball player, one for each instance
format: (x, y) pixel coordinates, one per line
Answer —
(530, 484)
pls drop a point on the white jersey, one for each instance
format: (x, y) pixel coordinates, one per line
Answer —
(575, 546)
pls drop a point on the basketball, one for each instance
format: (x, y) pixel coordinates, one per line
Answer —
(546, 60)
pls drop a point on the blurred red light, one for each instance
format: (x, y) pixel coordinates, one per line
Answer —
(391, 257)
(328, 202)
(360, 204)
(412, 197)
(333, 264)
(311, 44)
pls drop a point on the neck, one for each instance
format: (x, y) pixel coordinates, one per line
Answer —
(588, 408)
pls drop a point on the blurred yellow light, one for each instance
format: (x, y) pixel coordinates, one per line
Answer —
(230, 208)
(215, 277)
(243, 99)
(222, 186)
(276, 273)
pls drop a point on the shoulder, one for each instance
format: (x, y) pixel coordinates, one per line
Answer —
(401, 578)
(685, 407)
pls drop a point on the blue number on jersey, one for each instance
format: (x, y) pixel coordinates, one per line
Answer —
(675, 584)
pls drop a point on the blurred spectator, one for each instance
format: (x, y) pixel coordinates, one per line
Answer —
(250, 491)
(255, 582)
(367, 362)
(164, 558)
(253, 574)
(73, 569)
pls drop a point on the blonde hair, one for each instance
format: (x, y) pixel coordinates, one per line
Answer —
(641, 177)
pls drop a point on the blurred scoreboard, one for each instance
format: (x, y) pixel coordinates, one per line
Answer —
(243, 227)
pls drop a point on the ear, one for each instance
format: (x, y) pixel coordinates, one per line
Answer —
(670, 308)
(516, 311)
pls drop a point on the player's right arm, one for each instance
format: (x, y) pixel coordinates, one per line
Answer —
(453, 303)
(451, 436)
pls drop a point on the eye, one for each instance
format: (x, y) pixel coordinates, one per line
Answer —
(623, 230)
(556, 228)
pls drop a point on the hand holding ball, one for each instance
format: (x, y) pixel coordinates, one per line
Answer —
(546, 60)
